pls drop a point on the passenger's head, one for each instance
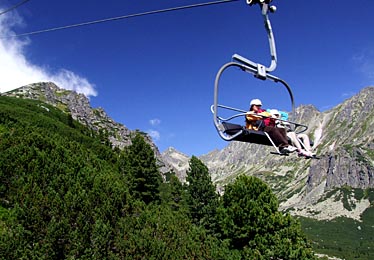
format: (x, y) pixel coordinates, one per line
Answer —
(275, 113)
(255, 105)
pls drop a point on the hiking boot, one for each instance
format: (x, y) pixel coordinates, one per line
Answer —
(306, 154)
(288, 149)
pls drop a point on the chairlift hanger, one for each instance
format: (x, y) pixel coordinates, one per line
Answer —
(234, 132)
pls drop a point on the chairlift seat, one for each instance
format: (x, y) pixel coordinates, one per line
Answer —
(247, 135)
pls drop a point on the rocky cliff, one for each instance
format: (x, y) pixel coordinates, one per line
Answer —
(178, 161)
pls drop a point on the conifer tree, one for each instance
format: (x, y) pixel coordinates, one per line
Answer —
(140, 163)
(202, 196)
(173, 194)
(250, 220)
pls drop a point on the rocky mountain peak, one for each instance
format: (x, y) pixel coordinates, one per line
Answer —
(78, 105)
(178, 160)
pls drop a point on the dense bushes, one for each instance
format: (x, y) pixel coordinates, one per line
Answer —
(250, 220)
(65, 194)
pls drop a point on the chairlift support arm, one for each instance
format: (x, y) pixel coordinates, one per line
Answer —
(262, 69)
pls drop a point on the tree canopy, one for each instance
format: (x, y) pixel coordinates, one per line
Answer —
(251, 222)
(202, 196)
(140, 164)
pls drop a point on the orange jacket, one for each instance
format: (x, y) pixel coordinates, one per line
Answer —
(255, 120)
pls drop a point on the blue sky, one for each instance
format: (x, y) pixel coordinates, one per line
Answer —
(156, 73)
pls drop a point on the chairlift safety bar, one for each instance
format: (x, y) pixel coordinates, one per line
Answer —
(246, 69)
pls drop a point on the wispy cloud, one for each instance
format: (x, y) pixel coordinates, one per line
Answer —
(364, 62)
(155, 122)
(348, 94)
(154, 134)
(16, 70)
(69, 80)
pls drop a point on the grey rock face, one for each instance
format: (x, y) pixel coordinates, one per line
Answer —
(178, 161)
(78, 105)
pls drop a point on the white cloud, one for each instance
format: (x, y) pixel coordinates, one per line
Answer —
(155, 122)
(154, 134)
(17, 71)
(69, 80)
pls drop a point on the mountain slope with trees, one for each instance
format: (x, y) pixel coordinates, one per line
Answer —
(65, 193)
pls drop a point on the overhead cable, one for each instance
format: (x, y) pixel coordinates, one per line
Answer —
(14, 7)
(122, 17)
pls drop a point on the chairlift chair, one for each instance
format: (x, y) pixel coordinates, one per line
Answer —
(234, 132)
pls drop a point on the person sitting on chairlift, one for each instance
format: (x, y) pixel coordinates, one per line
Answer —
(260, 120)
(300, 140)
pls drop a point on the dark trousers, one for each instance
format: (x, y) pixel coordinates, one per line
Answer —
(278, 135)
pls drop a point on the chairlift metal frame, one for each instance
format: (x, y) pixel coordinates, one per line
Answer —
(259, 71)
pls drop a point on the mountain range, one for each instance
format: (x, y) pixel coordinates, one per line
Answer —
(337, 184)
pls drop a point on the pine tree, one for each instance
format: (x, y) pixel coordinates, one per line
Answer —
(140, 163)
(202, 196)
(250, 220)
(173, 194)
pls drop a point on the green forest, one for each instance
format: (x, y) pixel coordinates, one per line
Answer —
(65, 193)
